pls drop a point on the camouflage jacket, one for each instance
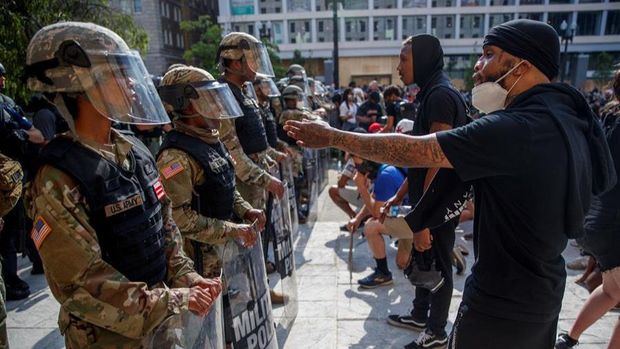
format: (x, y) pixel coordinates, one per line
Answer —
(100, 307)
(179, 185)
(11, 175)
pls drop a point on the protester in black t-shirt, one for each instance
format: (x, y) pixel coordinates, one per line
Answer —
(534, 161)
(392, 98)
(369, 111)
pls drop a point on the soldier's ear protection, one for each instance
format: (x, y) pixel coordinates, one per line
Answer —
(178, 96)
(69, 53)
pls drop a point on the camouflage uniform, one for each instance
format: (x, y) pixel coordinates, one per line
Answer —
(192, 224)
(100, 307)
(10, 190)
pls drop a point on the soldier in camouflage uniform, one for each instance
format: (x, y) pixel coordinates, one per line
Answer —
(240, 59)
(10, 190)
(112, 253)
(197, 170)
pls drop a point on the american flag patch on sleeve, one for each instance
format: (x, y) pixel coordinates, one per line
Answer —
(40, 230)
(159, 189)
(172, 170)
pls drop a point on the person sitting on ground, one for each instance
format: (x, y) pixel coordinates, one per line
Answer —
(369, 111)
(344, 195)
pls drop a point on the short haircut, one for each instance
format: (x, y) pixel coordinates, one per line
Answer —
(392, 90)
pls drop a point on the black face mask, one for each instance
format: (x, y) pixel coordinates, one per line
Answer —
(369, 169)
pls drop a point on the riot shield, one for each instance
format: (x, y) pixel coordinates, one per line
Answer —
(248, 306)
(311, 172)
(286, 170)
(190, 331)
(285, 280)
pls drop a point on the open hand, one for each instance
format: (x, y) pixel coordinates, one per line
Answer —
(311, 134)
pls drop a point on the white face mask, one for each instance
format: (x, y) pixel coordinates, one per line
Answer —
(490, 96)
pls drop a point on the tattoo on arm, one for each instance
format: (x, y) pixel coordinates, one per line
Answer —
(394, 149)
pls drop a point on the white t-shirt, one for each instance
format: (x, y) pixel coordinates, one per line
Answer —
(349, 111)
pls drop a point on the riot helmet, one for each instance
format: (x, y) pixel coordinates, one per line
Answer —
(236, 46)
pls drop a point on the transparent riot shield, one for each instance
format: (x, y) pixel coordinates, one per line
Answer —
(285, 280)
(286, 171)
(190, 331)
(248, 305)
(311, 173)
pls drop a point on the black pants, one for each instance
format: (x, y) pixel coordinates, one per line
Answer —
(475, 330)
(434, 307)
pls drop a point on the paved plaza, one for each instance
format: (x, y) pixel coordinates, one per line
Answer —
(333, 312)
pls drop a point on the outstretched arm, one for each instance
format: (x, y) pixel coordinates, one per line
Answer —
(395, 149)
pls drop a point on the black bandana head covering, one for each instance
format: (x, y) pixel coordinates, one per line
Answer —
(427, 58)
(534, 41)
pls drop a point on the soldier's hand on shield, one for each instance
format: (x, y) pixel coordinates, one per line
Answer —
(200, 300)
(258, 216)
(276, 187)
(212, 285)
(246, 234)
(311, 134)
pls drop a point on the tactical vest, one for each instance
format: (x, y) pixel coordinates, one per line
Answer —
(123, 206)
(214, 198)
(249, 127)
(270, 126)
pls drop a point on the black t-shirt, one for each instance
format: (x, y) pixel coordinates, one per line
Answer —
(517, 165)
(370, 109)
(443, 106)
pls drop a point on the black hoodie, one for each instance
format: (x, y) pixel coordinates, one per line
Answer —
(534, 167)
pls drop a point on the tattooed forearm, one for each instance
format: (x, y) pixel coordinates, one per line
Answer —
(394, 149)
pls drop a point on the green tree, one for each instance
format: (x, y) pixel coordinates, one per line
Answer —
(603, 67)
(21, 19)
(468, 79)
(202, 53)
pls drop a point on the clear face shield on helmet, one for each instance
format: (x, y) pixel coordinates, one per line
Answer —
(119, 86)
(268, 87)
(209, 98)
(248, 89)
(256, 56)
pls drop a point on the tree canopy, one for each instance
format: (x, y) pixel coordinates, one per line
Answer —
(21, 19)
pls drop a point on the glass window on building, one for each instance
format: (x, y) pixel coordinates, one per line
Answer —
(555, 19)
(589, 1)
(299, 31)
(137, 6)
(323, 5)
(443, 3)
(473, 3)
(413, 25)
(384, 4)
(355, 4)
(384, 28)
(472, 26)
(501, 2)
(270, 6)
(414, 3)
(277, 33)
(356, 29)
(443, 26)
(499, 18)
(589, 23)
(552, 2)
(241, 7)
(325, 30)
(533, 16)
(531, 2)
(298, 5)
(244, 27)
(613, 23)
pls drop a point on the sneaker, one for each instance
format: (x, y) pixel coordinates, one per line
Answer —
(430, 280)
(15, 294)
(376, 279)
(428, 339)
(406, 321)
(458, 261)
(565, 342)
(344, 228)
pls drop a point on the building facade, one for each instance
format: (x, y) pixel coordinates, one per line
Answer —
(161, 19)
(371, 31)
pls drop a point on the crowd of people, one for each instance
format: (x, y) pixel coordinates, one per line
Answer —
(136, 190)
